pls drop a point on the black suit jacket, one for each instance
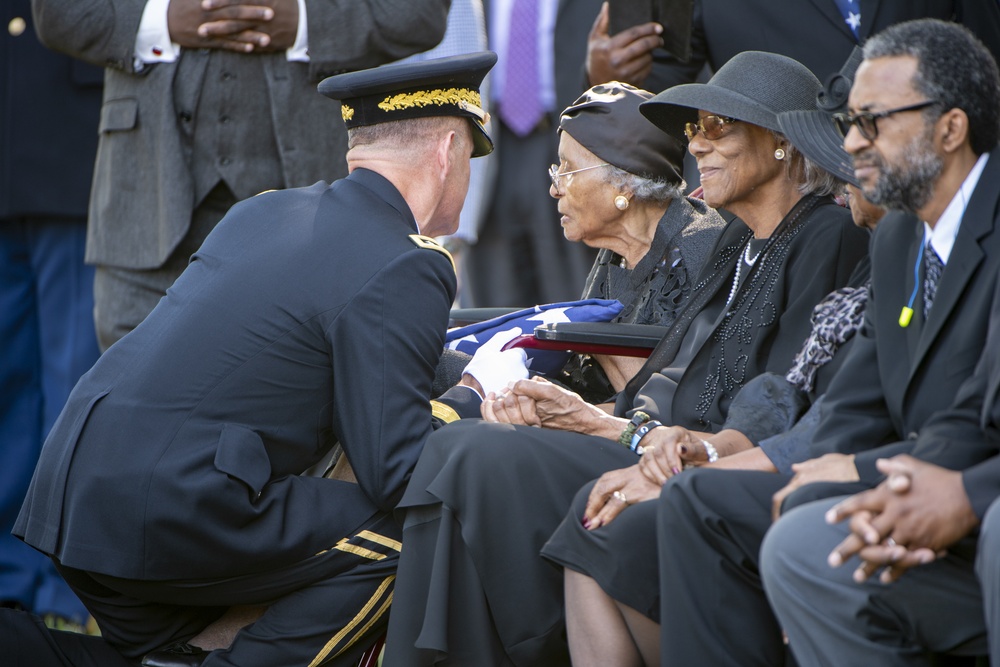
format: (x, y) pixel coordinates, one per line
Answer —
(49, 107)
(893, 381)
(966, 436)
(810, 31)
(307, 317)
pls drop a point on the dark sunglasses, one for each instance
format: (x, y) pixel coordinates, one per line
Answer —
(713, 127)
(865, 121)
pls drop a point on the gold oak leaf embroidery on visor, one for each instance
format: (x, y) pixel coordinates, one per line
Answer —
(423, 98)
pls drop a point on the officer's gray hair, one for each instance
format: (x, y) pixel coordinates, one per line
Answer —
(400, 134)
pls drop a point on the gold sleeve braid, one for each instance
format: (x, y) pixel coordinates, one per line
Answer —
(444, 412)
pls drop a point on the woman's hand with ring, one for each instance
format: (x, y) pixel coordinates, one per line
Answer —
(615, 491)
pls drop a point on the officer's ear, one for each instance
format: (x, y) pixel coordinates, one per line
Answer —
(447, 153)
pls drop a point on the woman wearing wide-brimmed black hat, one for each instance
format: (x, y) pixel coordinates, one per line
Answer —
(472, 588)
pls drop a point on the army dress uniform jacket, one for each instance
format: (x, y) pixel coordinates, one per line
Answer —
(308, 316)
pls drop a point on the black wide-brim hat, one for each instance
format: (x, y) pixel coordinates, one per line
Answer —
(815, 133)
(754, 87)
(437, 87)
(817, 137)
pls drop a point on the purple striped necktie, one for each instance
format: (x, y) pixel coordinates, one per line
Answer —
(521, 107)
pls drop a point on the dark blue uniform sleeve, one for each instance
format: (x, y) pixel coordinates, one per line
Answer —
(385, 345)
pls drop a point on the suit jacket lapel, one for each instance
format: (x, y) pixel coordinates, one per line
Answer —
(828, 8)
(966, 255)
(869, 9)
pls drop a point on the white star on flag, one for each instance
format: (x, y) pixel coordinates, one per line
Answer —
(453, 345)
(853, 20)
(551, 316)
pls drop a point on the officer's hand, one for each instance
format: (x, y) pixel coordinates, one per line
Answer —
(495, 368)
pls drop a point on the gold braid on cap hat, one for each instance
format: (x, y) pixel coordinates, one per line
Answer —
(464, 98)
(346, 112)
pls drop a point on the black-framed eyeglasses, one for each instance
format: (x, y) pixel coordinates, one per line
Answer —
(557, 175)
(866, 120)
(713, 127)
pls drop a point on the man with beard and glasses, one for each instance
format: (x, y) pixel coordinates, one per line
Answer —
(923, 128)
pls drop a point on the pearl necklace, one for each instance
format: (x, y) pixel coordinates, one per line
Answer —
(739, 270)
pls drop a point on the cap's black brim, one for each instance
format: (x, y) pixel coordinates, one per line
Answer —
(482, 143)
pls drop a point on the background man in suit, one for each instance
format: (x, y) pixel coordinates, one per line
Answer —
(907, 522)
(49, 104)
(935, 259)
(521, 256)
(169, 489)
(185, 89)
(820, 34)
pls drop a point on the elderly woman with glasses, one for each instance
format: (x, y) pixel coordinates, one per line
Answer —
(619, 188)
(485, 496)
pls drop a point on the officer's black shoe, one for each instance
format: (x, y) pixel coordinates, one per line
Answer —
(177, 654)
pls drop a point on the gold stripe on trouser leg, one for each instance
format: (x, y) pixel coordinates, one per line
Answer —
(381, 539)
(347, 547)
(380, 593)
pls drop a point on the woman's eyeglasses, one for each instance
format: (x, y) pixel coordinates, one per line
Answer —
(556, 175)
(866, 120)
(713, 127)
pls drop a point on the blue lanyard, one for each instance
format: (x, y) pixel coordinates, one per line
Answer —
(906, 314)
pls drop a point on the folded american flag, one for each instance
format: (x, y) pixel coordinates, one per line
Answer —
(540, 362)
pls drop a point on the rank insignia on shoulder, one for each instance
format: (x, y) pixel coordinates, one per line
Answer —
(422, 241)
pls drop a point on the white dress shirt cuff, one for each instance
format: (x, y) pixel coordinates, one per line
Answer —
(152, 43)
(300, 49)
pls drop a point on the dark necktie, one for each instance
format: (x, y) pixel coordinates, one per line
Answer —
(851, 11)
(933, 267)
(521, 107)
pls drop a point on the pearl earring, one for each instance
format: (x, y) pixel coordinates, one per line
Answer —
(621, 202)
(779, 154)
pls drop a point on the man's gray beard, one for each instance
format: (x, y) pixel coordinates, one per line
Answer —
(909, 186)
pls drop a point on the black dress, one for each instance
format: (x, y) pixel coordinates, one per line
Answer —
(484, 498)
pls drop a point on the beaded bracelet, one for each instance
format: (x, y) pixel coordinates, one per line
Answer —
(638, 419)
(640, 434)
(710, 451)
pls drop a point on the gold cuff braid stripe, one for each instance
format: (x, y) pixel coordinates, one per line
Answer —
(444, 412)
(344, 545)
(381, 539)
(324, 655)
(423, 98)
